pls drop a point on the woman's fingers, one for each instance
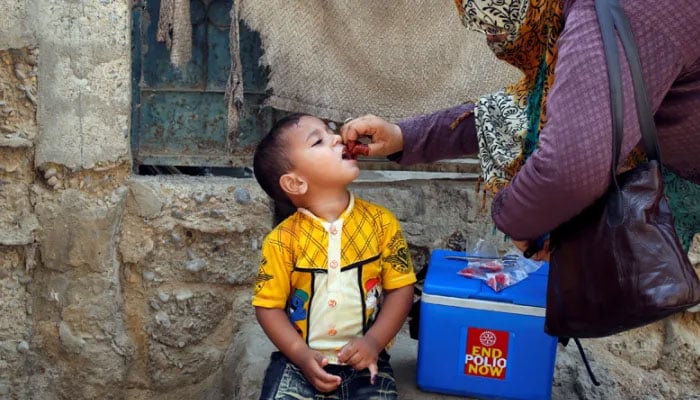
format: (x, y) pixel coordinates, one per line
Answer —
(356, 128)
(385, 138)
(540, 255)
(543, 255)
(521, 245)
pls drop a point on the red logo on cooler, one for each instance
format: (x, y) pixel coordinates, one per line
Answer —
(487, 353)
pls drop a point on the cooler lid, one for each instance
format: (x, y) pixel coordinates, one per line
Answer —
(442, 279)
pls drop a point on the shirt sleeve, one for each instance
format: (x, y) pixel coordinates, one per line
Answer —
(272, 284)
(444, 134)
(397, 266)
(571, 167)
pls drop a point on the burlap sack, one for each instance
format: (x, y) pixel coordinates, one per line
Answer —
(339, 58)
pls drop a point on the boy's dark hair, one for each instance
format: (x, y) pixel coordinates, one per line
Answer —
(271, 161)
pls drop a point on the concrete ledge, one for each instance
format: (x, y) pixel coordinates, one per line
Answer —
(395, 176)
(246, 360)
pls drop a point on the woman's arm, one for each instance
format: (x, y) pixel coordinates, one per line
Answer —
(439, 136)
(444, 134)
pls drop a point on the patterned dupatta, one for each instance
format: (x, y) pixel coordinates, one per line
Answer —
(524, 34)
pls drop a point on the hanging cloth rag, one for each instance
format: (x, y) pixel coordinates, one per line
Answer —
(175, 29)
(234, 84)
(337, 59)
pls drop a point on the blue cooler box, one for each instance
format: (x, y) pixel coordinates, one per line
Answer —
(476, 342)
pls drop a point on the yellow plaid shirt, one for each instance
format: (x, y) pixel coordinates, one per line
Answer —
(329, 276)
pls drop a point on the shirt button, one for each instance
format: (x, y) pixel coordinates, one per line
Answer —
(333, 230)
(334, 264)
(332, 332)
(332, 303)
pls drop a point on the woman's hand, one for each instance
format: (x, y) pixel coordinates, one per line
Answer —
(386, 138)
(541, 255)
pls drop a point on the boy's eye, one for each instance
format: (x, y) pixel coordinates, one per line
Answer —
(317, 142)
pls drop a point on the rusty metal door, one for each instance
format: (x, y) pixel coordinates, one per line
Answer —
(179, 115)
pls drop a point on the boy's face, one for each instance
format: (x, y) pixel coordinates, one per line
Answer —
(318, 155)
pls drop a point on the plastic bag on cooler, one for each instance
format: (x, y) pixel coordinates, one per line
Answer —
(499, 272)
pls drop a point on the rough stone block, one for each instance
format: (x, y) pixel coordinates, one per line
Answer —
(172, 368)
(79, 231)
(208, 389)
(203, 233)
(18, 101)
(14, 320)
(18, 223)
(681, 350)
(15, 323)
(15, 160)
(641, 347)
(147, 203)
(179, 318)
(694, 253)
(13, 19)
(620, 378)
(78, 299)
(85, 63)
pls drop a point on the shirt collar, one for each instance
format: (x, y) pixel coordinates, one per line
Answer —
(327, 224)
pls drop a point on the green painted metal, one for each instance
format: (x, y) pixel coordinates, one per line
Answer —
(179, 114)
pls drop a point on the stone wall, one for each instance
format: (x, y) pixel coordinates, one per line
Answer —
(18, 223)
(189, 253)
(119, 286)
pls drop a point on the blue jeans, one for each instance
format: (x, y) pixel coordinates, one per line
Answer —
(284, 381)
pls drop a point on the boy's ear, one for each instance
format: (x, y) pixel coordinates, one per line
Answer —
(293, 184)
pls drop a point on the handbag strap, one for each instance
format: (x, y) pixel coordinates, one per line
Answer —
(611, 16)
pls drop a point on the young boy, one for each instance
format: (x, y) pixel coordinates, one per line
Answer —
(326, 270)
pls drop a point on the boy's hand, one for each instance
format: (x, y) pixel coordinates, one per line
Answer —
(275, 323)
(361, 353)
(311, 364)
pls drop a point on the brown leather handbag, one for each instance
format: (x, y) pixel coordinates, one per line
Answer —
(618, 264)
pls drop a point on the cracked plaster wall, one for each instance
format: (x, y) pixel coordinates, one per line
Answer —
(85, 60)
